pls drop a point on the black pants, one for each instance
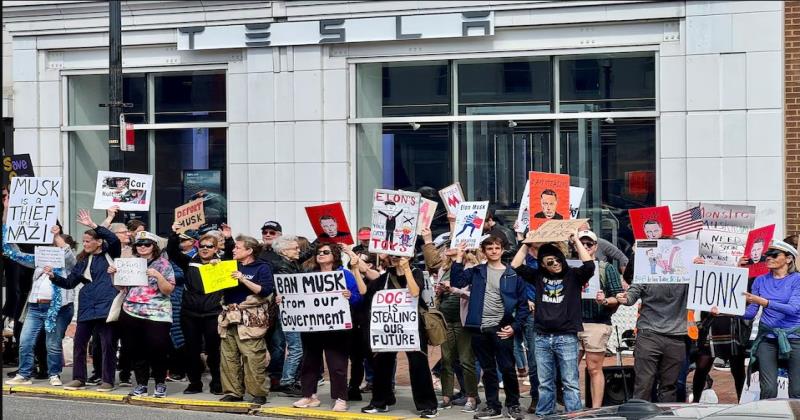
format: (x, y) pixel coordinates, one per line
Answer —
(148, 343)
(359, 350)
(123, 360)
(195, 330)
(657, 356)
(83, 333)
(767, 354)
(492, 351)
(704, 364)
(422, 391)
(176, 360)
(336, 345)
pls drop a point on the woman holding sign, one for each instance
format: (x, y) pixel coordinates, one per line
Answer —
(778, 293)
(146, 317)
(335, 344)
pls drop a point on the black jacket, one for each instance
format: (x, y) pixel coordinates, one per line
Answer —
(285, 266)
(195, 302)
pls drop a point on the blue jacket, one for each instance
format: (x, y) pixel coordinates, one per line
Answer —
(512, 289)
(95, 297)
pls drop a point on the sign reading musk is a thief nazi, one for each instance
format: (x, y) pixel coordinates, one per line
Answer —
(333, 31)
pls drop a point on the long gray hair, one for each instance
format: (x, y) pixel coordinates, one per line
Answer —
(282, 243)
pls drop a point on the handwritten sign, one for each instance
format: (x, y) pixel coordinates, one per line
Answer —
(452, 196)
(394, 222)
(664, 261)
(313, 302)
(575, 198)
(524, 214)
(758, 241)
(329, 223)
(427, 209)
(753, 391)
(33, 208)
(217, 276)
(555, 231)
(725, 230)
(190, 215)
(394, 322)
(469, 224)
(548, 198)
(720, 286)
(130, 272)
(589, 291)
(16, 165)
(131, 192)
(651, 222)
(49, 255)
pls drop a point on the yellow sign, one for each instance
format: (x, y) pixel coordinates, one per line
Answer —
(218, 276)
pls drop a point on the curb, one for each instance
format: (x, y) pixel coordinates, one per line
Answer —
(58, 392)
(310, 413)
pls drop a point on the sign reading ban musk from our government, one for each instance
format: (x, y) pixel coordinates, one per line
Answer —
(393, 324)
(313, 302)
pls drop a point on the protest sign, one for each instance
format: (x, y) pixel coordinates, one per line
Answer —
(452, 196)
(590, 289)
(725, 230)
(664, 261)
(651, 222)
(469, 224)
(575, 198)
(329, 223)
(394, 321)
(313, 301)
(131, 192)
(548, 198)
(427, 209)
(49, 255)
(428, 293)
(217, 276)
(720, 286)
(524, 214)
(33, 207)
(190, 215)
(752, 392)
(130, 272)
(394, 222)
(555, 231)
(756, 248)
(16, 165)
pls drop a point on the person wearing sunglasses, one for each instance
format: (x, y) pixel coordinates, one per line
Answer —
(558, 319)
(199, 311)
(777, 294)
(146, 317)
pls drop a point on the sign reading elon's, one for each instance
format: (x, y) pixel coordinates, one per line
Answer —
(335, 31)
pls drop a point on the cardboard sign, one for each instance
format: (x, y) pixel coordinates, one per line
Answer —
(651, 222)
(469, 224)
(131, 192)
(753, 392)
(190, 215)
(218, 276)
(725, 230)
(758, 241)
(394, 222)
(589, 291)
(16, 165)
(720, 286)
(555, 231)
(49, 255)
(427, 209)
(664, 261)
(329, 223)
(524, 214)
(313, 301)
(575, 198)
(394, 321)
(452, 196)
(33, 208)
(549, 198)
(130, 272)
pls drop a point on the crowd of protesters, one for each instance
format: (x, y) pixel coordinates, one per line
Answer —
(499, 300)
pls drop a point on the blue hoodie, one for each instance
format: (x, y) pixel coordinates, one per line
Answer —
(512, 289)
(258, 272)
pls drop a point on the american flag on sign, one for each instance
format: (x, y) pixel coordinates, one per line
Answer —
(687, 222)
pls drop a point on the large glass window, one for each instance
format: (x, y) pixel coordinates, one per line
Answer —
(504, 86)
(85, 94)
(403, 89)
(607, 83)
(187, 97)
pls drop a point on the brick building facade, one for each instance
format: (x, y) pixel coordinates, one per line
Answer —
(792, 120)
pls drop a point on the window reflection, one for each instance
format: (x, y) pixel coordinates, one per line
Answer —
(607, 83)
(504, 86)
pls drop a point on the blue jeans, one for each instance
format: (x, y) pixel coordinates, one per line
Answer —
(276, 346)
(34, 323)
(561, 349)
(294, 354)
(530, 343)
(519, 352)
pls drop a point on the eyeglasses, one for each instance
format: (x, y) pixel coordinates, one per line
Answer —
(588, 244)
(772, 253)
(207, 246)
(144, 244)
(269, 232)
(324, 252)
(551, 263)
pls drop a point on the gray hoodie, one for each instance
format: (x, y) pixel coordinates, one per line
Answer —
(663, 309)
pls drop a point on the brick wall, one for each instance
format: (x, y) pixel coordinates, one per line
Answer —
(792, 114)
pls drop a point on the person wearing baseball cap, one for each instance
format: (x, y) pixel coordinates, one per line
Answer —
(270, 231)
(777, 293)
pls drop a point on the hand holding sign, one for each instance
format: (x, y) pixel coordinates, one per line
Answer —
(218, 276)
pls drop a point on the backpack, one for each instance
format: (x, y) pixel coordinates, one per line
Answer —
(433, 319)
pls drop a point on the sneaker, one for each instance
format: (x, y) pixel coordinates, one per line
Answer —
(13, 373)
(321, 382)
(55, 380)
(445, 405)
(74, 385)
(515, 413)
(470, 407)
(428, 414)
(231, 398)
(125, 383)
(94, 380)
(176, 378)
(105, 387)
(259, 400)
(307, 402)
(193, 388)
(371, 409)
(19, 380)
(292, 390)
(139, 391)
(161, 391)
(723, 365)
(340, 405)
(488, 413)
(367, 387)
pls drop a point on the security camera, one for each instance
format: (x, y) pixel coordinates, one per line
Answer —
(414, 126)
(609, 120)
(512, 123)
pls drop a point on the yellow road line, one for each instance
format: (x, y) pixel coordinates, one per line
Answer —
(311, 413)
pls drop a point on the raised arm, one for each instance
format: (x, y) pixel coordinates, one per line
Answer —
(174, 252)
(13, 252)
(404, 268)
